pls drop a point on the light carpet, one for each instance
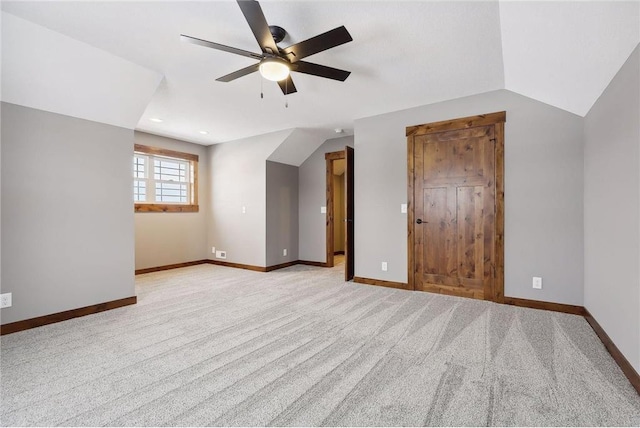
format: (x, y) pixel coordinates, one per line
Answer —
(210, 345)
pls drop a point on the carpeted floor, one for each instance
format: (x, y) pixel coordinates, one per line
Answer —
(210, 345)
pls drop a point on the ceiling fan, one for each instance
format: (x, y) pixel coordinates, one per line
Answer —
(276, 63)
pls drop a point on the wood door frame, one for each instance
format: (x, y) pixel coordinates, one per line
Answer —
(330, 220)
(497, 119)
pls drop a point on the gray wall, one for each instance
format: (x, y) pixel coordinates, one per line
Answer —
(169, 238)
(67, 215)
(282, 213)
(612, 210)
(543, 193)
(312, 196)
(237, 178)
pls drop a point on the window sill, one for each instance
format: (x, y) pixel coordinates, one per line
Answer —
(165, 208)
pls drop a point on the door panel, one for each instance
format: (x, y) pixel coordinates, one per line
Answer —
(470, 243)
(455, 205)
(437, 232)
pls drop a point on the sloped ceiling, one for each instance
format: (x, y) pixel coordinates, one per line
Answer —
(48, 71)
(404, 54)
(299, 145)
(566, 53)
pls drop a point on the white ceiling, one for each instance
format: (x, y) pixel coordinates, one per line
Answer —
(299, 145)
(404, 54)
(566, 53)
(48, 71)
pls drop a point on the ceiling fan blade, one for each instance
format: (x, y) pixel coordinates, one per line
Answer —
(257, 22)
(219, 47)
(236, 74)
(287, 86)
(319, 43)
(320, 70)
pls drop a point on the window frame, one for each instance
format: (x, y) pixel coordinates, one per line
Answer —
(191, 206)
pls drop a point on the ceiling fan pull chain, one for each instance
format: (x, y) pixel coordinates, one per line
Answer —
(286, 91)
(261, 91)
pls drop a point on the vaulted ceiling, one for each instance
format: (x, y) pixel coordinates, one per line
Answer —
(123, 62)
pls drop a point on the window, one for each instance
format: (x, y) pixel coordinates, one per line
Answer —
(164, 180)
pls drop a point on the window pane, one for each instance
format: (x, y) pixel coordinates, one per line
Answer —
(138, 166)
(171, 192)
(168, 170)
(139, 191)
(174, 199)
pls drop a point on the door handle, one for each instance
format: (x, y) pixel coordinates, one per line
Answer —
(419, 221)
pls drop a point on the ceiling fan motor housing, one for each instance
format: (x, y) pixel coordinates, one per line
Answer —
(278, 33)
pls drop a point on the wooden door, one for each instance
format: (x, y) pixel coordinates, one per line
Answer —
(349, 247)
(456, 245)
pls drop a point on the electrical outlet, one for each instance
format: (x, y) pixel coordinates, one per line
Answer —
(213, 250)
(284, 252)
(5, 300)
(537, 283)
(221, 254)
(384, 266)
(244, 210)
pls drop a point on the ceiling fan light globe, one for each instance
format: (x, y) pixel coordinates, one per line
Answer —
(274, 70)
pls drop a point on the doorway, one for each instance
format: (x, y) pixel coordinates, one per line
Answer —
(456, 207)
(340, 212)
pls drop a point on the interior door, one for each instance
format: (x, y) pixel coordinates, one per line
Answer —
(454, 212)
(349, 269)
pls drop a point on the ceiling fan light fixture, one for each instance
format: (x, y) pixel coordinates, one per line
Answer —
(274, 69)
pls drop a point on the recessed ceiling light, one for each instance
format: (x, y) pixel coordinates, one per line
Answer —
(204, 132)
(156, 120)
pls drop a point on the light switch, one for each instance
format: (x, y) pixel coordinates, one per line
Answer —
(323, 210)
(403, 208)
